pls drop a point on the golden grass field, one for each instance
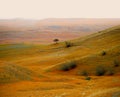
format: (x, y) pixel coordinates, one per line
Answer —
(34, 70)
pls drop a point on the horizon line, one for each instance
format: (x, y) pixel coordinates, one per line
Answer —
(55, 18)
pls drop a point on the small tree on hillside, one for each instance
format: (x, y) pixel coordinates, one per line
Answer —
(56, 40)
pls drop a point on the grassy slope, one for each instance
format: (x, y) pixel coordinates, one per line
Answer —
(27, 62)
(85, 51)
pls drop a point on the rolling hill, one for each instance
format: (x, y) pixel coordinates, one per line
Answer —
(89, 67)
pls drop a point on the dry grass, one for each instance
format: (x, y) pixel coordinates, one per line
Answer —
(31, 61)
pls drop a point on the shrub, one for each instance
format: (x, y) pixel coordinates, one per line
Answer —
(110, 71)
(100, 70)
(84, 73)
(68, 66)
(68, 44)
(87, 78)
(116, 63)
(64, 67)
(103, 53)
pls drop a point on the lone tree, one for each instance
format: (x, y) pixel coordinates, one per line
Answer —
(56, 40)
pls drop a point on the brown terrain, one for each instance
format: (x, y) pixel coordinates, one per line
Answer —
(44, 31)
(88, 66)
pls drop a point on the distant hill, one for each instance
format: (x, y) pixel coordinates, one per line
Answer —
(44, 31)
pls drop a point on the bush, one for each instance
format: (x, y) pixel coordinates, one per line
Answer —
(64, 67)
(100, 71)
(103, 53)
(68, 44)
(68, 66)
(84, 73)
(88, 78)
(116, 63)
(110, 71)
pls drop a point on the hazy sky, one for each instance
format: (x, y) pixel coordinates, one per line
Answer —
(39, 9)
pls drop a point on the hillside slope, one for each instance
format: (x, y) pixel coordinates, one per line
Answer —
(87, 51)
(32, 70)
